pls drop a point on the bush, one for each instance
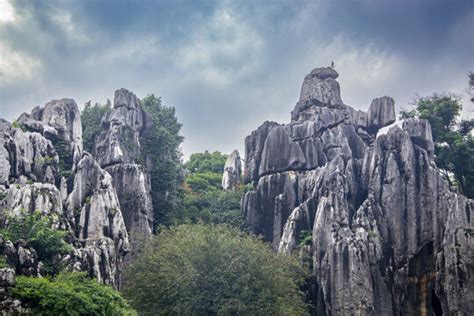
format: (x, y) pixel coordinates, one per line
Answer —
(69, 294)
(200, 182)
(36, 230)
(206, 162)
(212, 270)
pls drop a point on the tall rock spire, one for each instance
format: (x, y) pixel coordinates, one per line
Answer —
(232, 172)
(383, 221)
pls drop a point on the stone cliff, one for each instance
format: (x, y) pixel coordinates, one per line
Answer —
(98, 198)
(387, 234)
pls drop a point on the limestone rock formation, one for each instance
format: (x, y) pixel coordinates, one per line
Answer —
(9, 305)
(60, 122)
(232, 172)
(388, 235)
(43, 169)
(117, 149)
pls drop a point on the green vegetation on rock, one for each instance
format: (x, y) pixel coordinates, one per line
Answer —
(453, 138)
(37, 231)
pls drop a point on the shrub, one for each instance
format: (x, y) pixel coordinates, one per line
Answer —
(212, 270)
(91, 117)
(69, 294)
(36, 230)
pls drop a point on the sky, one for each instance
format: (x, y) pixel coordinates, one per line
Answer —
(228, 66)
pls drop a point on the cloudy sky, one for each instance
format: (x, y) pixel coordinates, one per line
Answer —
(227, 66)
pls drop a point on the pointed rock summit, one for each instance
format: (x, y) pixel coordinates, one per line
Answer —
(118, 150)
(321, 85)
(232, 172)
(388, 235)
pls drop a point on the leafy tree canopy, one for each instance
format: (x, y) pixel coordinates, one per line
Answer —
(69, 294)
(161, 148)
(91, 117)
(454, 142)
(213, 270)
(206, 162)
(37, 231)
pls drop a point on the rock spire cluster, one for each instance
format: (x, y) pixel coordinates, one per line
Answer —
(388, 236)
(99, 198)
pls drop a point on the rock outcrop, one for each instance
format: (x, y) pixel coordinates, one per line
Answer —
(43, 169)
(118, 150)
(8, 304)
(232, 172)
(388, 235)
(60, 122)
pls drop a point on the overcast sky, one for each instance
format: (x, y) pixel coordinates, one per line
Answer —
(227, 66)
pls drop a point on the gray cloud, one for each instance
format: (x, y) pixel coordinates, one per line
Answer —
(229, 65)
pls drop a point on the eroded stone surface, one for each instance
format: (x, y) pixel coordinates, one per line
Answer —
(232, 172)
(388, 235)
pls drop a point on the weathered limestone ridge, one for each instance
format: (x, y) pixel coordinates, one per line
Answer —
(389, 237)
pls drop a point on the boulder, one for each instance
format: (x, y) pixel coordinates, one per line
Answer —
(321, 85)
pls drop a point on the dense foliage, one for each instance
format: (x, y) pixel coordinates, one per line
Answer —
(212, 206)
(160, 146)
(202, 197)
(69, 294)
(454, 141)
(206, 162)
(37, 231)
(91, 117)
(212, 270)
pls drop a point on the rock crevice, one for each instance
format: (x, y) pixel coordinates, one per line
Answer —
(387, 232)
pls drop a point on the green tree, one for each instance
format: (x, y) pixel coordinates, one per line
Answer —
(213, 270)
(202, 197)
(37, 231)
(91, 117)
(453, 139)
(206, 162)
(69, 294)
(161, 149)
(204, 181)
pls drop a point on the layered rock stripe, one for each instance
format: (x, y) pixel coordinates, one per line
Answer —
(389, 236)
(100, 198)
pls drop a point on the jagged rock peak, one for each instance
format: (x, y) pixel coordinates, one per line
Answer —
(383, 220)
(118, 150)
(381, 113)
(232, 172)
(60, 122)
(321, 85)
(323, 73)
(124, 97)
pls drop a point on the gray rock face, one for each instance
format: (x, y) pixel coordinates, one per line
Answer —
(132, 184)
(232, 172)
(9, 305)
(26, 154)
(84, 202)
(388, 236)
(321, 85)
(381, 113)
(120, 140)
(117, 149)
(60, 122)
